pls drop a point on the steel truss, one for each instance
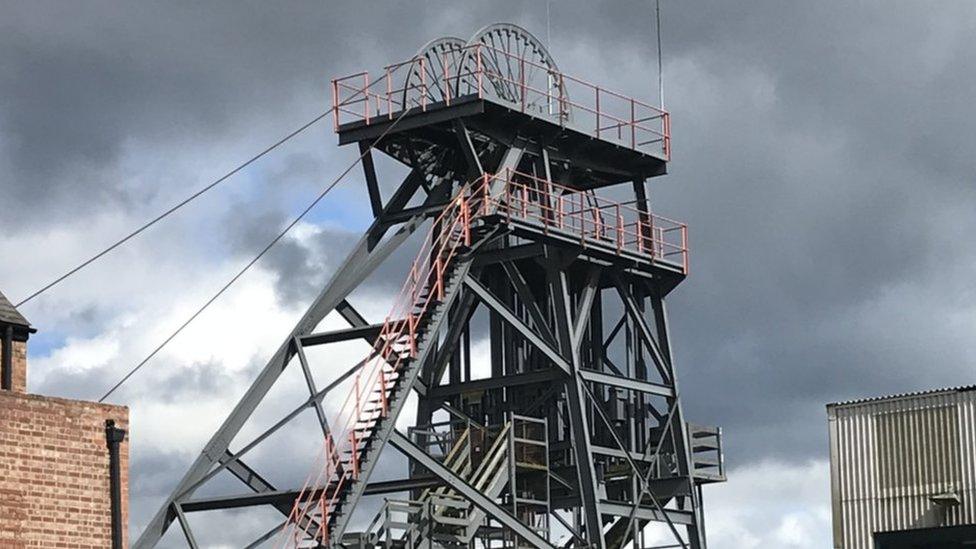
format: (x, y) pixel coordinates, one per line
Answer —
(570, 296)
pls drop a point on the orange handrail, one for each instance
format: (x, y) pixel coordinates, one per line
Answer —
(618, 227)
(632, 122)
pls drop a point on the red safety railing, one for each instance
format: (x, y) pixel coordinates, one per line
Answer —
(593, 220)
(492, 73)
(368, 401)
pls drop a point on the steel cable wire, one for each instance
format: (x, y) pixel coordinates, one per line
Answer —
(254, 260)
(174, 208)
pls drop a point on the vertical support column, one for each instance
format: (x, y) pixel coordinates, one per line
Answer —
(576, 400)
(372, 184)
(646, 225)
(679, 429)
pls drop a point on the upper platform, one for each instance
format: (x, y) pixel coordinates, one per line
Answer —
(508, 95)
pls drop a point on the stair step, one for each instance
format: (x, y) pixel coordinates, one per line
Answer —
(703, 447)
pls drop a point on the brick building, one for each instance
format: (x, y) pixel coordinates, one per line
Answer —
(63, 463)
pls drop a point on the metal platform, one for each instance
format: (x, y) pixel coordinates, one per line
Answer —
(594, 136)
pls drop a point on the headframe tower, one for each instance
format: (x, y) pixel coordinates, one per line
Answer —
(530, 338)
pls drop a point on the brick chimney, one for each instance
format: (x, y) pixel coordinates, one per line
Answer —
(14, 332)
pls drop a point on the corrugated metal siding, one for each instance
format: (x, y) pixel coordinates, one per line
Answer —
(889, 457)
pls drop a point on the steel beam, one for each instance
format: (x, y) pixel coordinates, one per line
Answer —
(627, 383)
(368, 332)
(363, 259)
(558, 286)
(372, 185)
(514, 321)
(467, 148)
(522, 289)
(621, 509)
(312, 390)
(185, 526)
(479, 500)
(488, 384)
(662, 363)
(590, 289)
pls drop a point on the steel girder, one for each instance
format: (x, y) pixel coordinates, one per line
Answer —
(551, 356)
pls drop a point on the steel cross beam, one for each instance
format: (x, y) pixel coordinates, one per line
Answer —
(558, 286)
(479, 500)
(662, 362)
(360, 262)
(637, 473)
(514, 321)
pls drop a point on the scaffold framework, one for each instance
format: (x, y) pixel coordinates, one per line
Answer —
(529, 341)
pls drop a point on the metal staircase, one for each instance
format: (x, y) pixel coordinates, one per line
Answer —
(368, 414)
(440, 517)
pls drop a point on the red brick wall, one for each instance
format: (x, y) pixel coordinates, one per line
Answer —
(19, 366)
(54, 478)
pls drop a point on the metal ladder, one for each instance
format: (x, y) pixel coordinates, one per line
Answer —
(440, 518)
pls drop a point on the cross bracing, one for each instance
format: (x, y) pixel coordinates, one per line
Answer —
(522, 391)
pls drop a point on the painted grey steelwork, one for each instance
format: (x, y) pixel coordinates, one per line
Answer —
(577, 338)
(905, 462)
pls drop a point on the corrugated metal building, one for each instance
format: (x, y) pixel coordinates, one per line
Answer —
(903, 470)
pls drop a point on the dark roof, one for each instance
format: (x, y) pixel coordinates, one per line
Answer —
(9, 314)
(960, 389)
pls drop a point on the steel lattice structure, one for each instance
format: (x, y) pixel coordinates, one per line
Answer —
(566, 427)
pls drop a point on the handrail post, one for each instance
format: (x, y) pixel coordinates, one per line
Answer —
(563, 108)
(412, 335)
(650, 231)
(354, 453)
(522, 79)
(447, 80)
(423, 85)
(383, 403)
(477, 51)
(487, 194)
(633, 126)
(597, 111)
(466, 220)
(335, 105)
(439, 270)
(389, 95)
(641, 237)
(413, 283)
(366, 96)
(358, 395)
(620, 230)
(667, 136)
(684, 246)
(508, 199)
(525, 202)
(562, 211)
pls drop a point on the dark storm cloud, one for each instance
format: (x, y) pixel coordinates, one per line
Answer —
(81, 83)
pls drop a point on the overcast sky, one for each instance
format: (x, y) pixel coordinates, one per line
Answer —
(823, 158)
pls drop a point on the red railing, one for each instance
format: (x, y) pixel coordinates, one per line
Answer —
(594, 221)
(396, 344)
(492, 73)
(591, 219)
